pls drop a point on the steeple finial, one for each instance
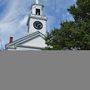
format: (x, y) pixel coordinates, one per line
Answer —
(37, 1)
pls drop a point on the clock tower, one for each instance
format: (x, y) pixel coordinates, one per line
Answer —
(35, 39)
(37, 21)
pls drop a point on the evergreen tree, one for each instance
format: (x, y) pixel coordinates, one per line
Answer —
(73, 34)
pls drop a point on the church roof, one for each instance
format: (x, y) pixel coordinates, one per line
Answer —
(24, 39)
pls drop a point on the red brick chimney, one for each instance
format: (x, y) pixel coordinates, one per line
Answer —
(11, 40)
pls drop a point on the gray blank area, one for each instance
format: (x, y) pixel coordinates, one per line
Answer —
(45, 70)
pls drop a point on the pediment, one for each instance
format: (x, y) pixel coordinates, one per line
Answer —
(36, 42)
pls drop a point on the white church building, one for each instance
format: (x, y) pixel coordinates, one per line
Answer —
(35, 39)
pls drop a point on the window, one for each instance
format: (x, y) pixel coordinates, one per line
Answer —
(37, 11)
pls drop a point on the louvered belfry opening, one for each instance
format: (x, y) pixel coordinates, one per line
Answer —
(37, 11)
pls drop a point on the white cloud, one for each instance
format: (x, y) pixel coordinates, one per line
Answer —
(67, 17)
(14, 19)
(24, 21)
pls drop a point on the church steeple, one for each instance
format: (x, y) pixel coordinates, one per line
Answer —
(37, 20)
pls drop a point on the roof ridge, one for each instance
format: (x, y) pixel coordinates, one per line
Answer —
(26, 38)
(23, 37)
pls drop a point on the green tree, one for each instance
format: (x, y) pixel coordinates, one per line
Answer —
(72, 34)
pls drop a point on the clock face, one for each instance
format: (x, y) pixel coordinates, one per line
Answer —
(38, 25)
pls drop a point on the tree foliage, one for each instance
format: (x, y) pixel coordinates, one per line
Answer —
(72, 34)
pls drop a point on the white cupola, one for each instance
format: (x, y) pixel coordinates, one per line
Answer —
(37, 8)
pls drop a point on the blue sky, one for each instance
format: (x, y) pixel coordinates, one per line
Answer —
(14, 14)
